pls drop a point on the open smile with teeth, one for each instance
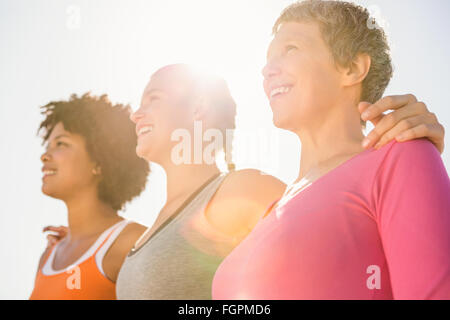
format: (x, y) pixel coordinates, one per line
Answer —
(279, 91)
(49, 172)
(145, 130)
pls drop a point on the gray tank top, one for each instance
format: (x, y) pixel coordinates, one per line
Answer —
(179, 261)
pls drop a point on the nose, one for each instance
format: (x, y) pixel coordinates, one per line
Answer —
(271, 69)
(45, 157)
(136, 116)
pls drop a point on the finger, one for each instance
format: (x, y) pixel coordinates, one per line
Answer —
(61, 230)
(434, 132)
(363, 106)
(52, 228)
(51, 241)
(385, 104)
(400, 127)
(390, 120)
(53, 237)
(376, 120)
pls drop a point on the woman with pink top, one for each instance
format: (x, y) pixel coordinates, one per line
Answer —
(356, 224)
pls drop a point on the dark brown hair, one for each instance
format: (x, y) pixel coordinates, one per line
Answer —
(110, 141)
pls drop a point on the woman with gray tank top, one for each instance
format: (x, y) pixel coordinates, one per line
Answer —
(207, 212)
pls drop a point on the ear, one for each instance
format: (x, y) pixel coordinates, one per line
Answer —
(200, 108)
(357, 71)
(97, 171)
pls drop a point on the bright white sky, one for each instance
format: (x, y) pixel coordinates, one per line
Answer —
(46, 54)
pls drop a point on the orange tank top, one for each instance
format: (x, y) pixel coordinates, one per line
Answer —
(83, 280)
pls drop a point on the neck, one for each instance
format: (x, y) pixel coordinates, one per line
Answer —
(333, 139)
(87, 215)
(183, 180)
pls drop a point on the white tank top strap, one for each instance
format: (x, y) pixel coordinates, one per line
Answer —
(48, 270)
(104, 246)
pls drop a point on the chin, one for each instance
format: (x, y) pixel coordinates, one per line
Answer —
(281, 122)
(283, 114)
(143, 153)
(48, 191)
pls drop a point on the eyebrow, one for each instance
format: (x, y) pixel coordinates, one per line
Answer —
(297, 37)
(56, 138)
(300, 37)
(61, 136)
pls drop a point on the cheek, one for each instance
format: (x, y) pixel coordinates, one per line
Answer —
(177, 118)
(326, 74)
(72, 174)
(317, 81)
(309, 73)
(78, 168)
(154, 144)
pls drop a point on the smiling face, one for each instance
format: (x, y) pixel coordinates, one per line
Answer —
(301, 80)
(165, 107)
(67, 167)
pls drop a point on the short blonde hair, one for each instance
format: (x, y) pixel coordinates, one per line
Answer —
(345, 29)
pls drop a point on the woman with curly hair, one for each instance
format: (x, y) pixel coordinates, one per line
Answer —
(90, 164)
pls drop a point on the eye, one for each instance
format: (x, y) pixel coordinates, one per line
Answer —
(153, 98)
(60, 143)
(290, 47)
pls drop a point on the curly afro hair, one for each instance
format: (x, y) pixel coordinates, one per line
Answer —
(110, 141)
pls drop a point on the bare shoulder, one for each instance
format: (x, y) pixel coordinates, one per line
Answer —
(128, 237)
(115, 256)
(252, 184)
(242, 200)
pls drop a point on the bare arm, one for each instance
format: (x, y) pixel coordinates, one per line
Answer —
(242, 201)
(115, 256)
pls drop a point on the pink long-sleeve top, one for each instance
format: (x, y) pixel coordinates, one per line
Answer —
(375, 227)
